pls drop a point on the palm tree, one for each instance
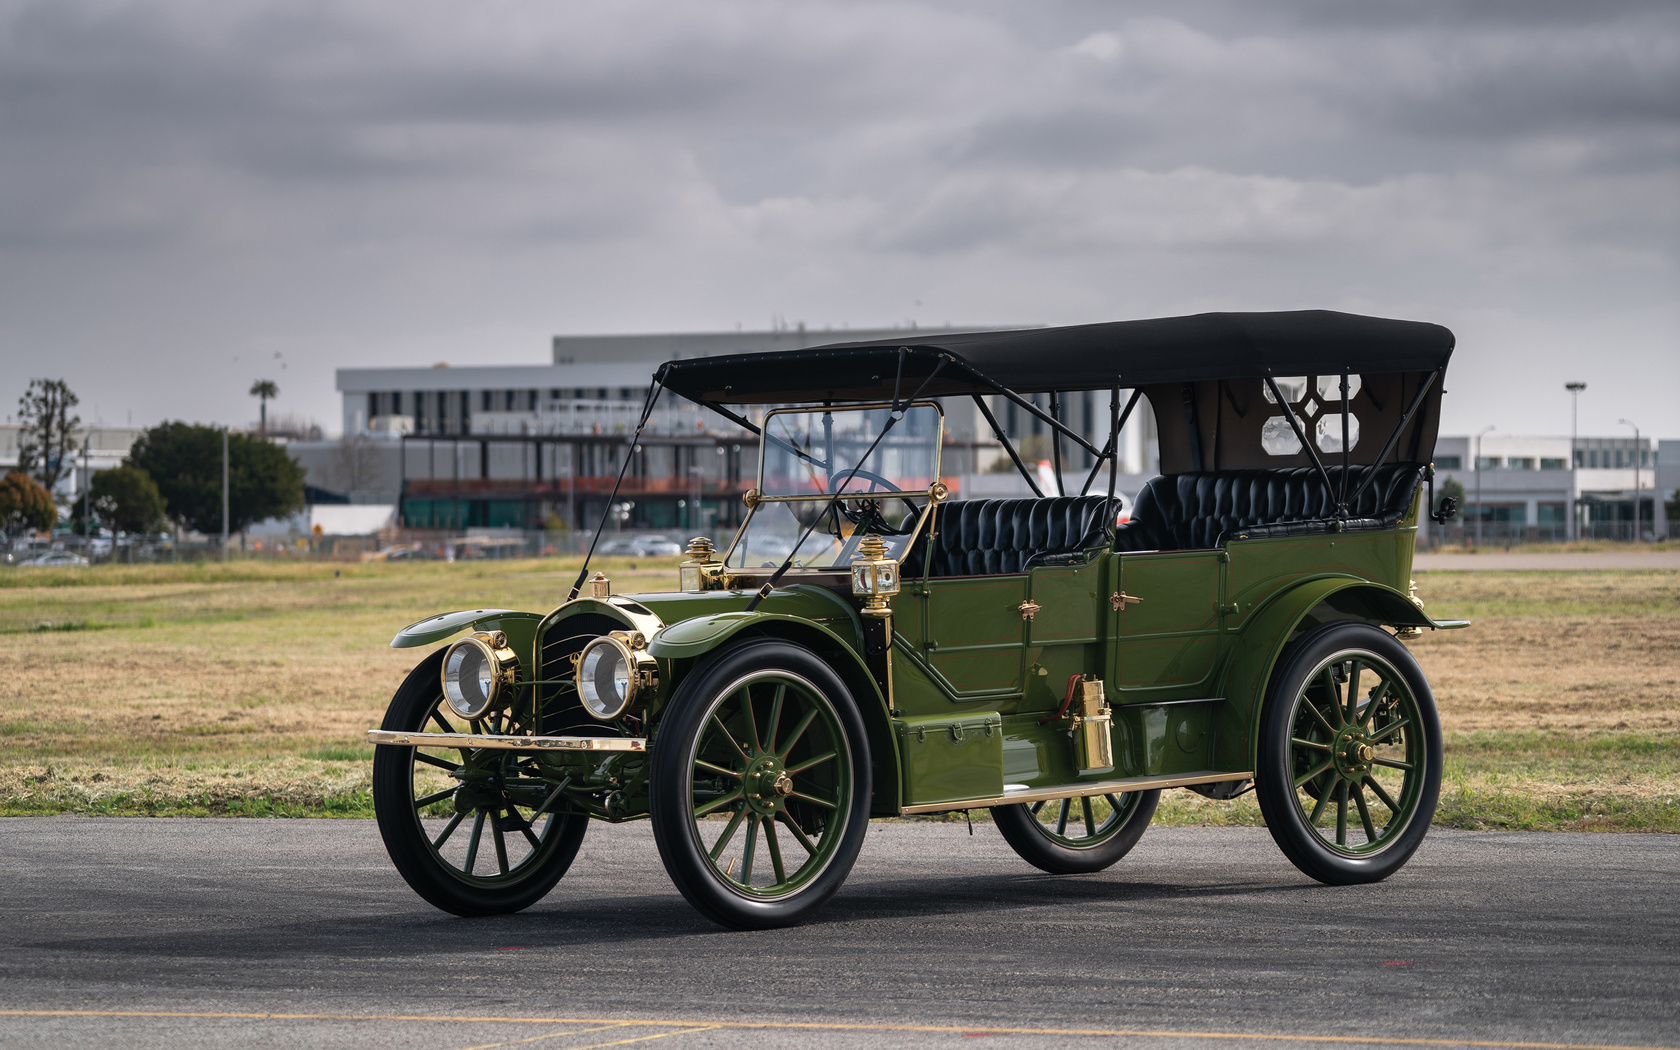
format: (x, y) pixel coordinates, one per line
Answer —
(264, 389)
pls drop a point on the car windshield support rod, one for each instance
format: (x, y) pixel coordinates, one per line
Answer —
(748, 425)
(893, 416)
(997, 431)
(1312, 453)
(1056, 441)
(1394, 438)
(1107, 454)
(629, 454)
(1116, 420)
(1056, 425)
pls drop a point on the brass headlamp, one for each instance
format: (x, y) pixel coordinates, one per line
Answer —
(615, 672)
(478, 674)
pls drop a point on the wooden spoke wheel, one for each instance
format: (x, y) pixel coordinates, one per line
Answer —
(1350, 754)
(760, 785)
(1073, 836)
(473, 831)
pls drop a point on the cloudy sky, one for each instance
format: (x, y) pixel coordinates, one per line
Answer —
(196, 194)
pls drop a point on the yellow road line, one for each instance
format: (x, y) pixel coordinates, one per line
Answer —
(697, 1026)
(552, 1035)
(645, 1038)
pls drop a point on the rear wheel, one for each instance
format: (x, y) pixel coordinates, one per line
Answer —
(1350, 754)
(1075, 836)
(759, 792)
(474, 832)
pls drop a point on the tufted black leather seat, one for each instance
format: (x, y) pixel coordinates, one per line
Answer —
(985, 536)
(1176, 512)
(1201, 510)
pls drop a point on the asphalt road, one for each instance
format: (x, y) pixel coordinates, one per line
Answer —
(138, 933)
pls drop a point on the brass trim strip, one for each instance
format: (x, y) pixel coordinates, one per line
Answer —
(1102, 787)
(509, 743)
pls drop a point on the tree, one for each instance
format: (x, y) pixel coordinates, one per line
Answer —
(266, 391)
(24, 504)
(1452, 487)
(127, 498)
(46, 444)
(185, 460)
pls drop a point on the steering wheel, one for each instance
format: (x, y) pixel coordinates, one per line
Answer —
(870, 476)
(866, 514)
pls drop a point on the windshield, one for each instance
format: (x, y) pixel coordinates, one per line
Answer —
(807, 455)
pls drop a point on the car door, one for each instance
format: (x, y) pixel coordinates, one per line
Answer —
(1164, 620)
(976, 633)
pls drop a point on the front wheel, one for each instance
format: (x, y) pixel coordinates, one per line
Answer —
(759, 786)
(1350, 754)
(474, 832)
(1076, 836)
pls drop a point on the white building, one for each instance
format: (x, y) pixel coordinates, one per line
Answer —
(489, 445)
(97, 448)
(1525, 487)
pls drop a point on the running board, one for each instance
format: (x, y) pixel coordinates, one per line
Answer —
(1013, 796)
(509, 743)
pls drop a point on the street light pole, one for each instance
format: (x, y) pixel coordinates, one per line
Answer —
(224, 493)
(1479, 434)
(1638, 447)
(1574, 389)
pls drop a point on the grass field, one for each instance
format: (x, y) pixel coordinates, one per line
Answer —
(246, 688)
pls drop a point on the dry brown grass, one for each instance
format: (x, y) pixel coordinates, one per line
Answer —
(1569, 652)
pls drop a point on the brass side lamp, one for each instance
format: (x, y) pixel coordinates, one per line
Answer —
(874, 576)
(702, 571)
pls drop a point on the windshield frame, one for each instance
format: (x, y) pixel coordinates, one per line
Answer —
(933, 495)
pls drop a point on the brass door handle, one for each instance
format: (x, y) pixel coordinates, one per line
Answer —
(1029, 609)
(1120, 599)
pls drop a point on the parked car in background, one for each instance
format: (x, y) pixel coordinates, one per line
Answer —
(639, 546)
(53, 559)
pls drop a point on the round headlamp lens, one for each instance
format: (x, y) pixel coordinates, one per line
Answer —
(469, 680)
(604, 680)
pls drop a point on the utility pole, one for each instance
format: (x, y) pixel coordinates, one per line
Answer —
(1638, 448)
(1479, 434)
(87, 502)
(224, 493)
(1574, 389)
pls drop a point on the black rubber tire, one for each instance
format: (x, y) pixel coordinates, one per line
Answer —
(405, 837)
(670, 801)
(1020, 827)
(1274, 790)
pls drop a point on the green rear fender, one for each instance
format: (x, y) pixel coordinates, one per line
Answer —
(683, 644)
(1269, 630)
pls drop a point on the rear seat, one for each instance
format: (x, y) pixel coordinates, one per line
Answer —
(1178, 512)
(1202, 510)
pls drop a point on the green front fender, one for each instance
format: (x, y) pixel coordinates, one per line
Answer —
(1256, 651)
(520, 627)
(692, 639)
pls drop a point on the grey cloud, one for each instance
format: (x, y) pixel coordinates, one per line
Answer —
(593, 164)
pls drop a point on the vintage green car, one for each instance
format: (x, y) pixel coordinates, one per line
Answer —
(867, 646)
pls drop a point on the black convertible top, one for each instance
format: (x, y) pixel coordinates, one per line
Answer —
(1201, 347)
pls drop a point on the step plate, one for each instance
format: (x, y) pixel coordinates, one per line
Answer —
(1011, 797)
